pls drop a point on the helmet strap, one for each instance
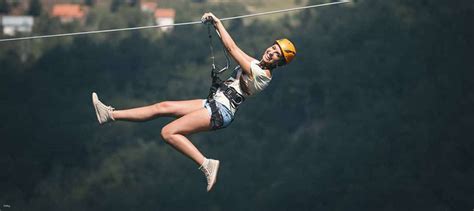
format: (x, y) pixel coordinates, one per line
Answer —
(280, 63)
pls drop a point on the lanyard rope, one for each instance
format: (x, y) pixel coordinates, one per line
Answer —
(216, 70)
(171, 25)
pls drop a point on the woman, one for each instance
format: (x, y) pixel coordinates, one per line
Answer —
(218, 110)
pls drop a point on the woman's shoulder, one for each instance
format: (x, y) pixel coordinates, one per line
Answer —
(258, 71)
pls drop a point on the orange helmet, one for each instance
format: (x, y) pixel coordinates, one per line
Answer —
(287, 48)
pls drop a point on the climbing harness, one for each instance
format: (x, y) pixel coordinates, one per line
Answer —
(215, 71)
(217, 83)
(234, 97)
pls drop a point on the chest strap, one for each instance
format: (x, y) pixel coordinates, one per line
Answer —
(234, 97)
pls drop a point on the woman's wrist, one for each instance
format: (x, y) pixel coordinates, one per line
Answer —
(217, 22)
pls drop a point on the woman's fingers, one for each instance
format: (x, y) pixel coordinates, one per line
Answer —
(213, 17)
(206, 18)
(209, 17)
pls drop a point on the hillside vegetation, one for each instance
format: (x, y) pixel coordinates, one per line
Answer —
(375, 113)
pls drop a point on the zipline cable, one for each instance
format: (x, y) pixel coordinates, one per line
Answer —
(170, 25)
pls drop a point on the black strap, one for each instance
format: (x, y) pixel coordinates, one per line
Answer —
(216, 81)
(234, 97)
(217, 121)
(215, 68)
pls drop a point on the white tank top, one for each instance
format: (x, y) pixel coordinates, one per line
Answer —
(255, 83)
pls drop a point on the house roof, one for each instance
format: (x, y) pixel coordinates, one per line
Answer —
(149, 6)
(68, 10)
(165, 13)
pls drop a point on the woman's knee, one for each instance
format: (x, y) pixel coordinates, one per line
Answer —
(167, 133)
(163, 107)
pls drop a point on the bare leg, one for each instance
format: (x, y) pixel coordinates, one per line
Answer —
(174, 133)
(167, 108)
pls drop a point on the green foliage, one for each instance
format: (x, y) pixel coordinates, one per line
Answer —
(375, 113)
(35, 8)
(4, 7)
(114, 6)
(89, 3)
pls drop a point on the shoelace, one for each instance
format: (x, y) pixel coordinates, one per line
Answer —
(208, 176)
(109, 108)
(207, 173)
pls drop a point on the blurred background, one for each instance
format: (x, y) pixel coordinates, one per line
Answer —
(375, 113)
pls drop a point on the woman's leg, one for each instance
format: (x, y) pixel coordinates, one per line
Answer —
(174, 133)
(166, 108)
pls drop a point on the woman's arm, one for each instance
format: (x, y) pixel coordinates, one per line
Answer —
(239, 56)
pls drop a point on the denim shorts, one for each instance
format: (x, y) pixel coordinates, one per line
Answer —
(224, 111)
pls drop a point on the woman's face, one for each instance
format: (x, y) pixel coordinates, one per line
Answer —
(272, 54)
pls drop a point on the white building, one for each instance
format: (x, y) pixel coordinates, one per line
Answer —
(165, 17)
(13, 24)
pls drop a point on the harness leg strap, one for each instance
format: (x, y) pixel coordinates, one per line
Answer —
(217, 121)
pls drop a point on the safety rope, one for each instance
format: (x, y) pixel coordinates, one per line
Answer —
(215, 68)
(171, 25)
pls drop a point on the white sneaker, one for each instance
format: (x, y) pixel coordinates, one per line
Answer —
(210, 168)
(103, 112)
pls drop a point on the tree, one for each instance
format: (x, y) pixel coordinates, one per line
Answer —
(115, 5)
(4, 7)
(89, 3)
(35, 8)
(133, 3)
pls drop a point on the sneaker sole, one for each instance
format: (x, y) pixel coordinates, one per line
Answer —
(95, 100)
